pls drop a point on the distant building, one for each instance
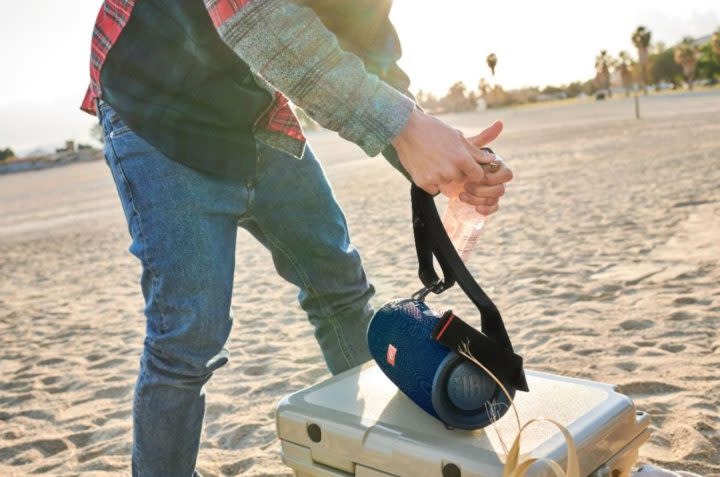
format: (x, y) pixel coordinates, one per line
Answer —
(69, 147)
(551, 96)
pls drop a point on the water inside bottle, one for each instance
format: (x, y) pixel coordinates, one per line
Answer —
(463, 225)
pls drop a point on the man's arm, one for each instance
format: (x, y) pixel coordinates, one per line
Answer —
(363, 28)
(289, 46)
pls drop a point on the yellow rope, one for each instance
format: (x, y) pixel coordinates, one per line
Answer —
(513, 466)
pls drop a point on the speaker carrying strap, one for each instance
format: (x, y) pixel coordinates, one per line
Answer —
(431, 240)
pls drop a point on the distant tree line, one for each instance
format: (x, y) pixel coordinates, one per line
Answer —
(458, 99)
(656, 65)
(461, 99)
(6, 153)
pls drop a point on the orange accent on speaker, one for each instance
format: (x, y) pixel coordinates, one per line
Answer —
(391, 352)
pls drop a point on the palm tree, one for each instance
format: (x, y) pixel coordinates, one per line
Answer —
(715, 42)
(687, 55)
(641, 40)
(491, 62)
(624, 65)
(602, 66)
(483, 87)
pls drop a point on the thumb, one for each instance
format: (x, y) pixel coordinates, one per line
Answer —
(488, 135)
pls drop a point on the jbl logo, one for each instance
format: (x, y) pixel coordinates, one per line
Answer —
(391, 352)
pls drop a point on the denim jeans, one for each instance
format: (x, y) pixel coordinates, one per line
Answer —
(183, 225)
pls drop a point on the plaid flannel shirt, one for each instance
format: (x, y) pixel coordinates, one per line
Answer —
(335, 59)
(114, 16)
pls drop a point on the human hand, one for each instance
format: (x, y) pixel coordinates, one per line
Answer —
(485, 195)
(435, 154)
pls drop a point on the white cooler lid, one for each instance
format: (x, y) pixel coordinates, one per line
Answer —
(366, 420)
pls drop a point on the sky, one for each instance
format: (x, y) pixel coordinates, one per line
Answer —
(44, 45)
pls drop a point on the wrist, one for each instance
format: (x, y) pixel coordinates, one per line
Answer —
(407, 132)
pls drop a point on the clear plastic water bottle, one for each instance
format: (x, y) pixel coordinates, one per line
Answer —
(462, 221)
(463, 225)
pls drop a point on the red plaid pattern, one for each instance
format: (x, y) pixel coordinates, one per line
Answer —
(222, 10)
(113, 17)
(281, 119)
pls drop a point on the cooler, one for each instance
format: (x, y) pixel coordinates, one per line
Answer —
(359, 424)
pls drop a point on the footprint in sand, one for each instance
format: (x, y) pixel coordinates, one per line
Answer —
(237, 468)
(50, 362)
(685, 300)
(45, 469)
(628, 366)
(645, 344)
(627, 349)
(94, 357)
(113, 392)
(709, 432)
(704, 406)
(659, 440)
(37, 415)
(111, 363)
(81, 439)
(240, 436)
(17, 400)
(590, 351)
(122, 414)
(636, 324)
(255, 370)
(47, 447)
(673, 348)
(681, 316)
(50, 380)
(18, 386)
(649, 387)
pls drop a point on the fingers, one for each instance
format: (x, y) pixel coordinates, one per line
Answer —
(487, 210)
(488, 135)
(478, 201)
(476, 194)
(434, 154)
(431, 189)
(503, 175)
(481, 156)
(453, 170)
(472, 171)
(471, 166)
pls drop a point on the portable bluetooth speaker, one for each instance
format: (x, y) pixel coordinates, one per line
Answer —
(417, 349)
(442, 382)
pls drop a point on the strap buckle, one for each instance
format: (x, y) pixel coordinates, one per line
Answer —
(436, 287)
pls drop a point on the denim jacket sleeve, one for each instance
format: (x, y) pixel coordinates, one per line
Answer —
(289, 46)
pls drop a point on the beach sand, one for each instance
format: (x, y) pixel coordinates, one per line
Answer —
(603, 260)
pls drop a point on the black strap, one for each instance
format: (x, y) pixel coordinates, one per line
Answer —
(453, 332)
(431, 240)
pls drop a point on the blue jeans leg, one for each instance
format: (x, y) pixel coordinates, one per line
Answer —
(294, 214)
(183, 227)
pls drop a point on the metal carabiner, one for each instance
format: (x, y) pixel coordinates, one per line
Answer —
(421, 294)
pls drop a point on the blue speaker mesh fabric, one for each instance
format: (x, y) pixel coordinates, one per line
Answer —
(399, 337)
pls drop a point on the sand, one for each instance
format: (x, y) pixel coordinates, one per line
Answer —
(603, 259)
